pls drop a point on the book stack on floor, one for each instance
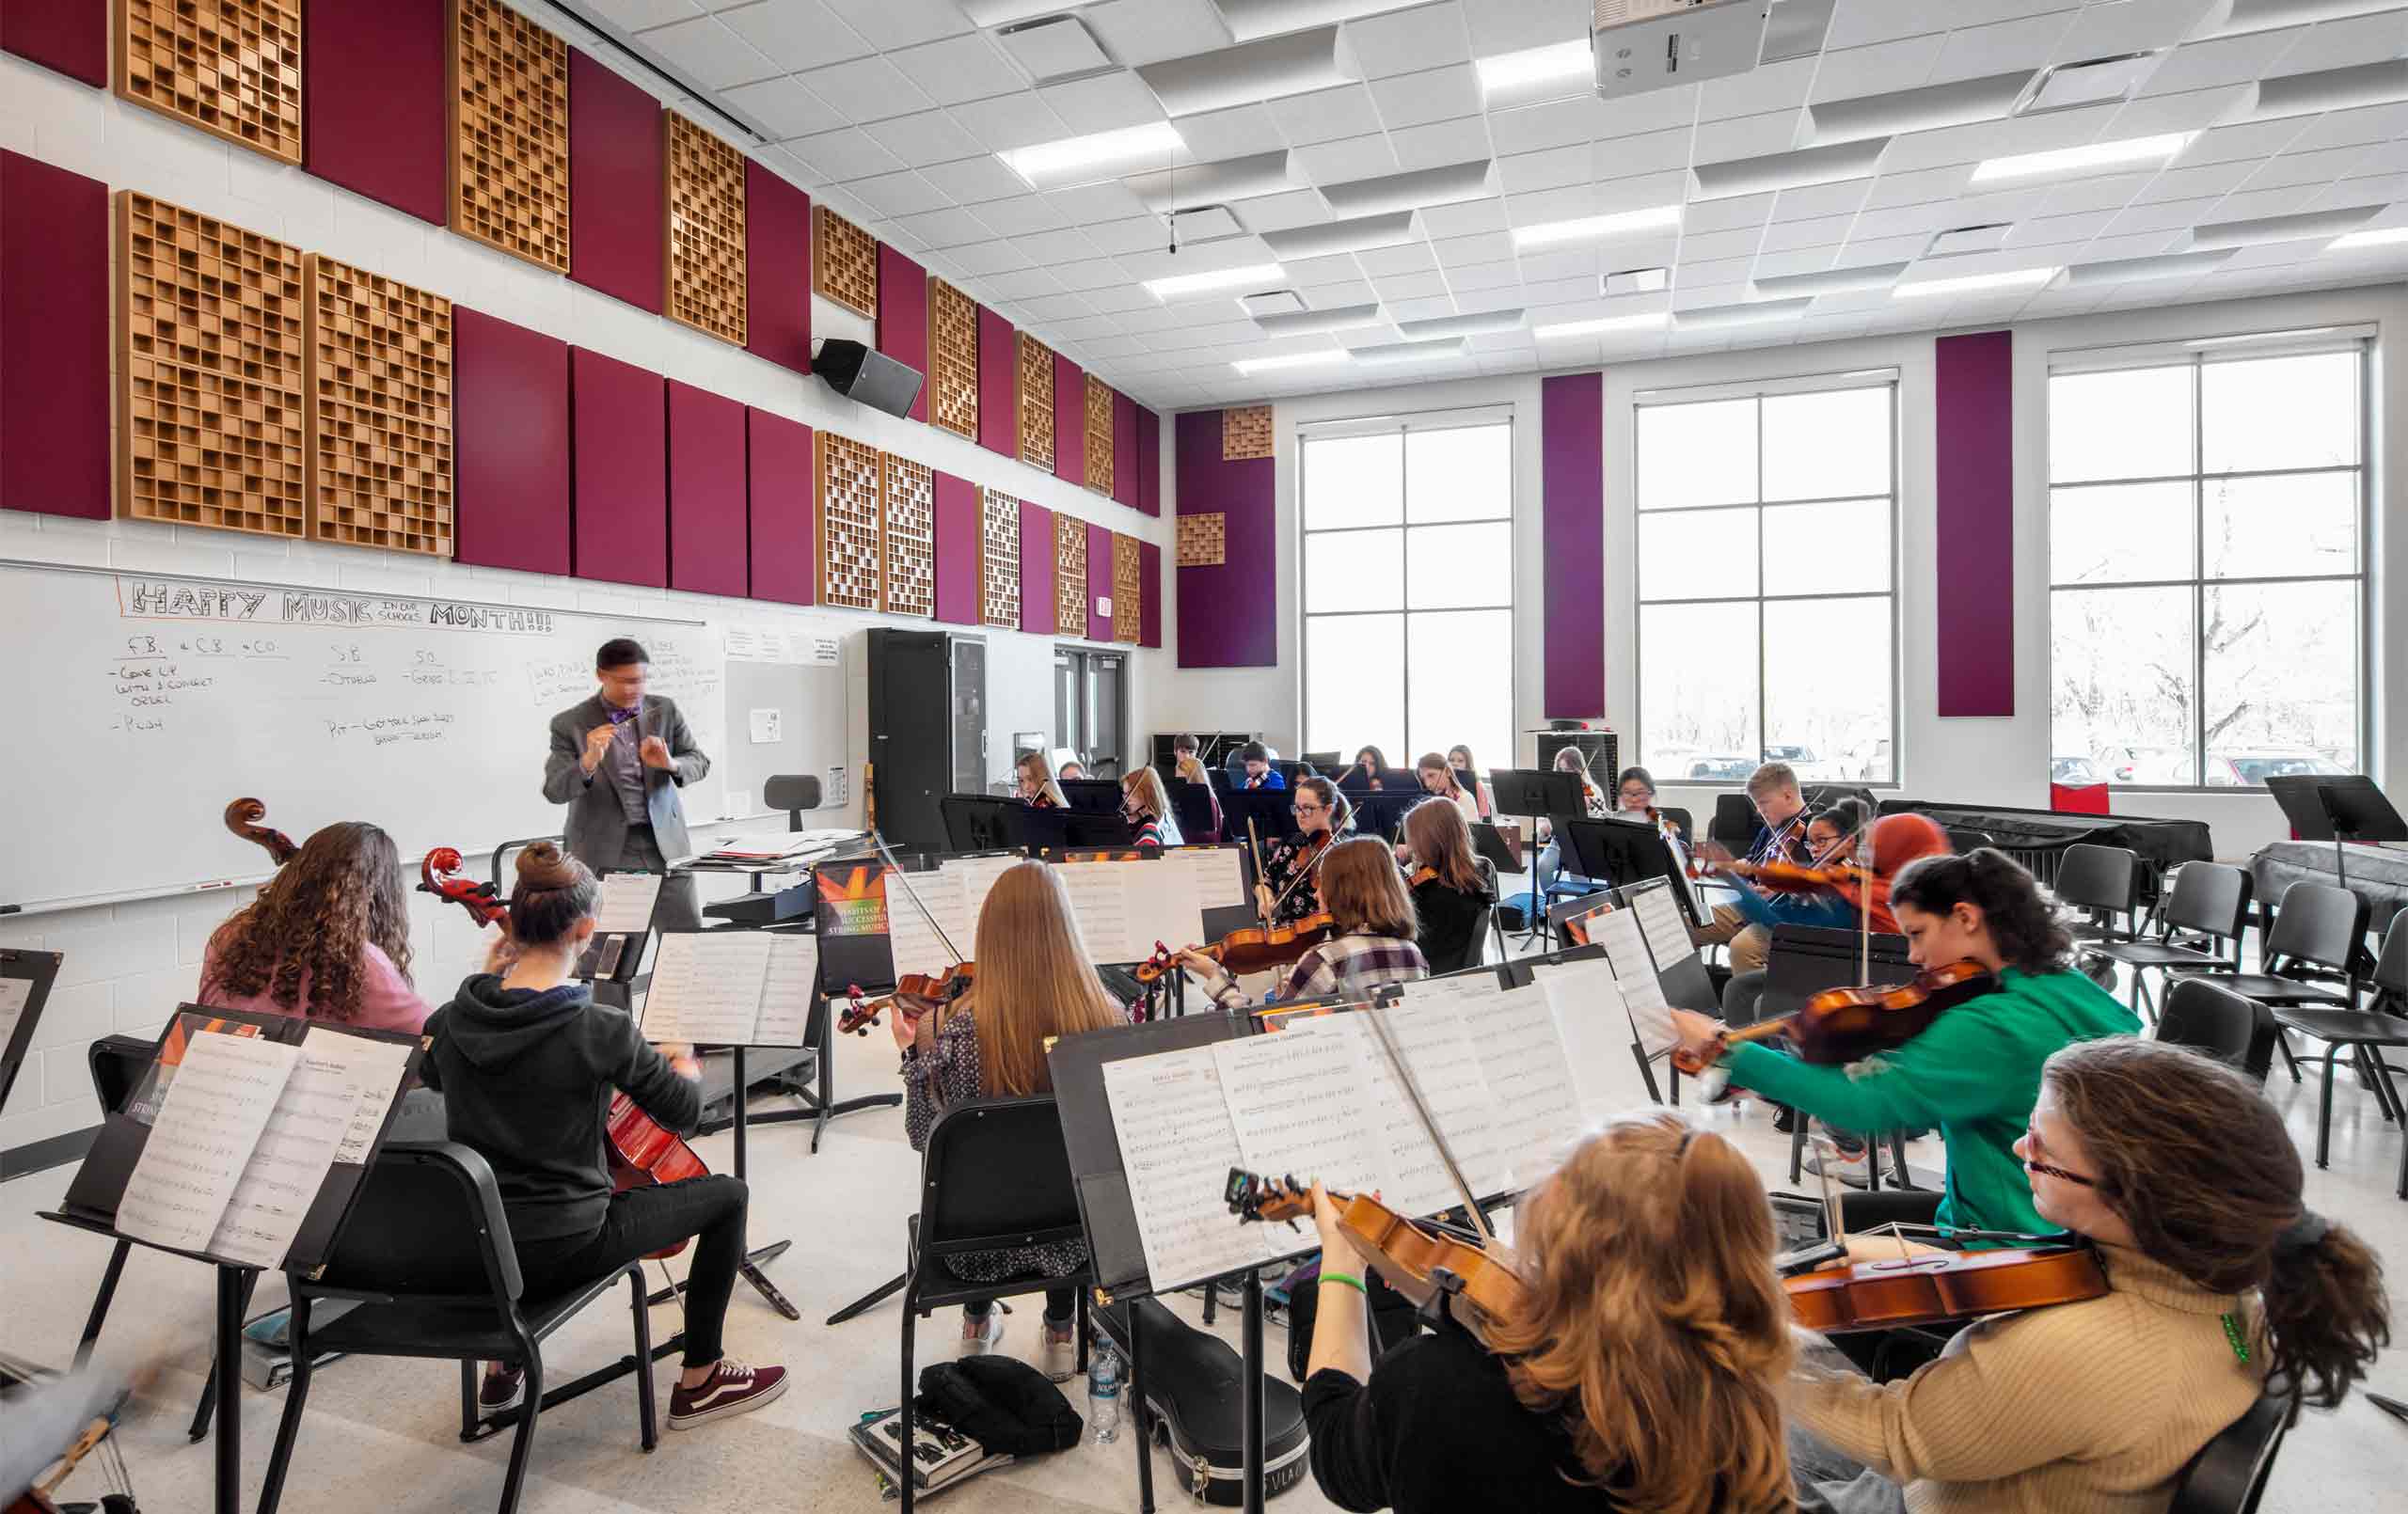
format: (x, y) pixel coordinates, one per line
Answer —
(941, 1454)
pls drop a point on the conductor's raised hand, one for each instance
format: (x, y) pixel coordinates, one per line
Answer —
(655, 753)
(597, 744)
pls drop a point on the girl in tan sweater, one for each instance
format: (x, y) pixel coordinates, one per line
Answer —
(2185, 1179)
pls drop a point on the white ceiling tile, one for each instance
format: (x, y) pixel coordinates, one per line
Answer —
(784, 108)
(1139, 31)
(1745, 136)
(1419, 286)
(1904, 220)
(2348, 128)
(1431, 95)
(967, 180)
(1641, 192)
(1583, 263)
(1525, 173)
(1231, 133)
(948, 228)
(867, 89)
(1886, 248)
(1879, 69)
(1993, 139)
(1015, 120)
(2219, 60)
(843, 155)
(1918, 186)
(1408, 257)
(930, 137)
(1280, 213)
(1653, 152)
(796, 34)
(1106, 103)
(1121, 298)
(1338, 268)
(1337, 163)
(1738, 212)
(897, 194)
(1536, 128)
(2303, 167)
(1084, 274)
(1482, 276)
(2193, 110)
(1024, 283)
(1018, 215)
(2162, 216)
(1463, 218)
(1440, 143)
(1785, 262)
(2048, 230)
(1842, 198)
(892, 23)
(1406, 42)
(707, 52)
(1707, 246)
(2248, 205)
(2108, 192)
(1480, 247)
(634, 15)
(2191, 182)
(1434, 309)
(1773, 85)
(2353, 40)
(1822, 231)
(2026, 42)
(958, 69)
(1091, 204)
(2249, 139)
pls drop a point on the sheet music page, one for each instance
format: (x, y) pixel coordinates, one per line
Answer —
(223, 1094)
(1651, 1015)
(625, 905)
(1660, 921)
(1435, 1037)
(1417, 1181)
(1523, 1056)
(706, 987)
(1219, 872)
(1100, 899)
(1302, 1106)
(1176, 1146)
(1161, 904)
(978, 876)
(330, 1109)
(1590, 1018)
(791, 978)
(15, 994)
(916, 945)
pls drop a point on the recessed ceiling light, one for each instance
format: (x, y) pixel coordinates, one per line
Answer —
(1977, 283)
(1361, 234)
(1187, 286)
(1536, 74)
(1636, 281)
(1080, 160)
(1440, 329)
(1708, 317)
(1596, 228)
(1311, 359)
(2388, 236)
(1601, 325)
(2092, 157)
(2090, 81)
(2308, 226)
(1307, 323)
(1829, 281)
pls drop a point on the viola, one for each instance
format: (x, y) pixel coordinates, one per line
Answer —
(1934, 1288)
(438, 874)
(1416, 1259)
(1251, 948)
(243, 818)
(1843, 1025)
(943, 989)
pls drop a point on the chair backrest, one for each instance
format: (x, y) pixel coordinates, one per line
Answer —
(1735, 820)
(2100, 877)
(118, 1063)
(2228, 1475)
(2211, 898)
(428, 1222)
(2320, 923)
(1680, 818)
(1804, 961)
(2390, 976)
(997, 1172)
(2220, 1023)
(793, 792)
(1476, 954)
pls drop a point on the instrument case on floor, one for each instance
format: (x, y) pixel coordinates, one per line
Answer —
(1194, 1394)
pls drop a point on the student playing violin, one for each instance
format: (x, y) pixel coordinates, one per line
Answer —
(1373, 941)
(1635, 794)
(1974, 1074)
(1146, 808)
(1286, 892)
(2185, 1179)
(1259, 774)
(1037, 789)
(1641, 1371)
(1468, 774)
(1437, 776)
(1370, 763)
(327, 938)
(1448, 890)
(1034, 983)
(526, 1062)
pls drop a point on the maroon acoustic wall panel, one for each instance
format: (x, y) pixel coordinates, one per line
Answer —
(776, 269)
(618, 470)
(55, 455)
(998, 385)
(784, 519)
(1124, 448)
(957, 523)
(71, 36)
(707, 533)
(1228, 615)
(903, 318)
(510, 440)
(1572, 508)
(1973, 403)
(1149, 608)
(373, 96)
(1070, 421)
(617, 178)
(1038, 572)
(1150, 462)
(1098, 581)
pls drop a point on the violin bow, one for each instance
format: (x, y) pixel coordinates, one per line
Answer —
(1421, 1111)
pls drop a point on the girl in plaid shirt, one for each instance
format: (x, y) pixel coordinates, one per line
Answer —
(1372, 944)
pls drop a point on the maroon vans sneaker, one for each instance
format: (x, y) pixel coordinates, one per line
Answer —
(500, 1388)
(732, 1388)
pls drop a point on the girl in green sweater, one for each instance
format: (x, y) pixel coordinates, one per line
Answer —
(1976, 1073)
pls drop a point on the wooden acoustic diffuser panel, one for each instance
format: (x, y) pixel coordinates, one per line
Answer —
(1098, 421)
(209, 373)
(851, 504)
(1069, 575)
(910, 552)
(230, 66)
(844, 262)
(1245, 433)
(379, 411)
(1128, 589)
(1203, 540)
(509, 132)
(998, 559)
(953, 359)
(1035, 403)
(705, 231)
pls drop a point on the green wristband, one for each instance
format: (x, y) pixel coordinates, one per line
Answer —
(1347, 1278)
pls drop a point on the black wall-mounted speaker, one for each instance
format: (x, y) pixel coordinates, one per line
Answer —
(868, 376)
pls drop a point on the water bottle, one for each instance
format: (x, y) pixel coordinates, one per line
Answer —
(1103, 1389)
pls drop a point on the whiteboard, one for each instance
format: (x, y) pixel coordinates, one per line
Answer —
(144, 703)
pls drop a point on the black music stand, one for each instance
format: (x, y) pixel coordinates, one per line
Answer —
(1382, 814)
(1092, 795)
(1267, 808)
(982, 821)
(1530, 793)
(1058, 831)
(2337, 810)
(1488, 843)
(1620, 853)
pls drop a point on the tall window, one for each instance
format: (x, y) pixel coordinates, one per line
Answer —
(1767, 618)
(2204, 563)
(1408, 589)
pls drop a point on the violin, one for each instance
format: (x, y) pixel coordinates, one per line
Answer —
(1933, 1288)
(1796, 877)
(438, 874)
(1419, 875)
(1417, 1260)
(943, 988)
(1250, 948)
(243, 818)
(1843, 1025)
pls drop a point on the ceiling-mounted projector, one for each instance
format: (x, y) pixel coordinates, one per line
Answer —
(1640, 46)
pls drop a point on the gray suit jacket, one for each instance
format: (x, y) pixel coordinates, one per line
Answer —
(597, 823)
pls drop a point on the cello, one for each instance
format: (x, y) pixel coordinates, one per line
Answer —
(244, 818)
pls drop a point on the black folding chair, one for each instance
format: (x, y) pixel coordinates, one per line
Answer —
(996, 1174)
(2228, 1475)
(2198, 930)
(2103, 882)
(2365, 1033)
(2210, 1019)
(2318, 936)
(426, 1256)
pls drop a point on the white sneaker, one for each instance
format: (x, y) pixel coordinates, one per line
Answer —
(981, 1333)
(1061, 1360)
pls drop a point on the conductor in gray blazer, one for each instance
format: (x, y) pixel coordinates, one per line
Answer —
(618, 760)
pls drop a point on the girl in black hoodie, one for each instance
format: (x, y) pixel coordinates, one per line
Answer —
(527, 1062)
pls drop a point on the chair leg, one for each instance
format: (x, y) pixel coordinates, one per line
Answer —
(1797, 1144)
(513, 1481)
(2365, 1065)
(1898, 1154)
(296, 1393)
(1080, 1323)
(101, 1301)
(2324, 1108)
(468, 1414)
(903, 1446)
(648, 1426)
